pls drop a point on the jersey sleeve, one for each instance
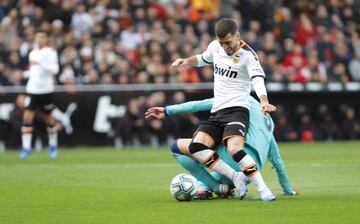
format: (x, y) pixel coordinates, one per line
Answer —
(253, 66)
(51, 63)
(206, 58)
(32, 57)
(188, 107)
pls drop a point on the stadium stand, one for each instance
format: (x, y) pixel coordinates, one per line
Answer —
(132, 42)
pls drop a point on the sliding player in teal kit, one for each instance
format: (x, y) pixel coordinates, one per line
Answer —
(260, 145)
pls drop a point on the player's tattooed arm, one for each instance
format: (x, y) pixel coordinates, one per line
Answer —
(184, 62)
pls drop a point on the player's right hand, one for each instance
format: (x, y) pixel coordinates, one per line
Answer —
(180, 62)
(155, 113)
(267, 108)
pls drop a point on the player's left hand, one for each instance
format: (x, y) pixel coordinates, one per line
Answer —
(267, 108)
(155, 113)
(180, 62)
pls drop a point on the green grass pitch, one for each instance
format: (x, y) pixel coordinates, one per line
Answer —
(91, 185)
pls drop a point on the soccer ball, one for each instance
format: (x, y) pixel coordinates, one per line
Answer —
(183, 187)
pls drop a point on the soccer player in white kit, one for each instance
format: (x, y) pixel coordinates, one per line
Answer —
(44, 66)
(236, 68)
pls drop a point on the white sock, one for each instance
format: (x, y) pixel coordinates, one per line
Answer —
(26, 136)
(206, 156)
(53, 139)
(256, 178)
(258, 181)
(52, 136)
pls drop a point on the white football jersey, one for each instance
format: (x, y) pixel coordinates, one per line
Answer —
(232, 74)
(41, 74)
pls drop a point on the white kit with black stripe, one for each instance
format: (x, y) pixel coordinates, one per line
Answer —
(232, 74)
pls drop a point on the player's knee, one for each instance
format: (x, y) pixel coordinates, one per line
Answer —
(175, 148)
(234, 146)
(27, 120)
(197, 147)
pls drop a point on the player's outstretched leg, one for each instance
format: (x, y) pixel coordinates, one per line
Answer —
(225, 155)
(200, 173)
(211, 159)
(250, 169)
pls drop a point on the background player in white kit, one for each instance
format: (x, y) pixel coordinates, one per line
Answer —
(44, 66)
(236, 67)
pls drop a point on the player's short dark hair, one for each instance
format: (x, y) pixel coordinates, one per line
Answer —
(225, 26)
(41, 31)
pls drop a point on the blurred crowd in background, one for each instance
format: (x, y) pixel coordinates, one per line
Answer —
(123, 41)
(305, 123)
(134, 41)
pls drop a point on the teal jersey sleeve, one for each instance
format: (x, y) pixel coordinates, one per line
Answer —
(191, 106)
(277, 162)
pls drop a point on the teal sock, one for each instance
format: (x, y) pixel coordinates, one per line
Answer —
(198, 171)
